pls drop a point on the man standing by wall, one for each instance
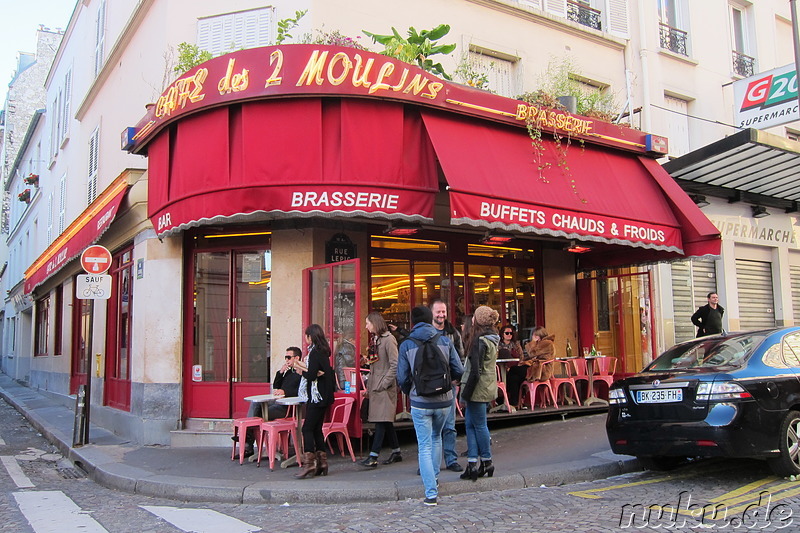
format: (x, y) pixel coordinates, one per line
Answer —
(428, 412)
(440, 322)
(708, 318)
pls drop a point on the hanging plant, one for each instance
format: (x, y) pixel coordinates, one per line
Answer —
(31, 179)
(24, 196)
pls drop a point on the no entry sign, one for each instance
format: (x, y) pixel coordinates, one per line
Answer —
(96, 259)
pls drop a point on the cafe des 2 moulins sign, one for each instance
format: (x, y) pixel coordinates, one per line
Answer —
(316, 70)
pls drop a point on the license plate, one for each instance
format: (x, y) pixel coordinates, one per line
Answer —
(659, 396)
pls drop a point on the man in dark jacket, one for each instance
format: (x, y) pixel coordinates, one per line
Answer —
(428, 412)
(708, 318)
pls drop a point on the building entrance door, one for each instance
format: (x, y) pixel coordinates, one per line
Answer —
(229, 326)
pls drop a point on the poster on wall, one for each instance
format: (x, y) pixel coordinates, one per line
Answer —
(251, 268)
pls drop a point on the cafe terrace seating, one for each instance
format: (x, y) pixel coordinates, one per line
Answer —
(501, 386)
(276, 432)
(240, 426)
(563, 384)
(340, 415)
(529, 389)
(580, 373)
(604, 368)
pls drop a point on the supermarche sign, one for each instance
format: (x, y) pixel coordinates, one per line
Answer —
(767, 99)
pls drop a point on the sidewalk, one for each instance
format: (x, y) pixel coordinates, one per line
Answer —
(533, 454)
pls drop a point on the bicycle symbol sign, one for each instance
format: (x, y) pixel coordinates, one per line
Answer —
(93, 287)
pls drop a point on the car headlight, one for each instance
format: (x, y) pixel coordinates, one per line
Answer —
(721, 390)
(616, 396)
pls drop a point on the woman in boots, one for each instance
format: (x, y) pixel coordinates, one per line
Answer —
(318, 375)
(478, 388)
(382, 387)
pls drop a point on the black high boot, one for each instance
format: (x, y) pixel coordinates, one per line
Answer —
(471, 472)
(486, 468)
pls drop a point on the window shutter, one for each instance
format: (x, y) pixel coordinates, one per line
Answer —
(50, 218)
(232, 31)
(53, 117)
(67, 98)
(100, 34)
(59, 118)
(556, 7)
(94, 142)
(617, 17)
(62, 209)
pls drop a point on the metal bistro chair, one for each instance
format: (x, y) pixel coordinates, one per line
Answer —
(340, 415)
(563, 384)
(529, 389)
(580, 373)
(604, 368)
(240, 427)
(276, 433)
(501, 386)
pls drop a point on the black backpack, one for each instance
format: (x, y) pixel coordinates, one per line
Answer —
(431, 368)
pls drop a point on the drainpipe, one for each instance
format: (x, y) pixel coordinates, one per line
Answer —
(643, 53)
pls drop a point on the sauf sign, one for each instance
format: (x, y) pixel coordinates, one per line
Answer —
(767, 99)
(94, 285)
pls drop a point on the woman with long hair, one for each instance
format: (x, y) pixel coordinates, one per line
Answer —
(478, 388)
(531, 365)
(382, 389)
(318, 374)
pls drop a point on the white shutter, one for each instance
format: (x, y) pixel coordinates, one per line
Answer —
(66, 106)
(556, 7)
(757, 306)
(62, 204)
(100, 36)
(501, 73)
(50, 218)
(677, 125)
(234, 31)
(53, 118)
(59, 118)
(794, 273)
(94, 152)
(617, 17)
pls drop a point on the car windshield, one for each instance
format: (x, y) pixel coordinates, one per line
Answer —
(707, 352)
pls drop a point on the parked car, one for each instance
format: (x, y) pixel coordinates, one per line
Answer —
(732, 395)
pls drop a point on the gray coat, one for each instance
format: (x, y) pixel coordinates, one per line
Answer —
(382, 382)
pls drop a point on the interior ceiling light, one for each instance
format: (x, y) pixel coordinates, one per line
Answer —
(759, 211)
(576, 248)
(699, 200)
(496, 238)
(402, 230)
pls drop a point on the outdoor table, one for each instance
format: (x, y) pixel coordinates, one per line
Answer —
(590, 397)
(503, 364)
(261, 398)
(298, 446)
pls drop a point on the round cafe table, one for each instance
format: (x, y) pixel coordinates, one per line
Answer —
(298, 446)
(591, 398)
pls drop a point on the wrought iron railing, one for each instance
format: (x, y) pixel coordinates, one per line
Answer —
(673, 39)
(584, 15)
(743, 65)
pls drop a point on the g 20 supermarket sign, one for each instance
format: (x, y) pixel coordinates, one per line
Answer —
(767, 99)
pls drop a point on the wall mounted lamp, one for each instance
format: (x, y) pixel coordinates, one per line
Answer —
(576, 248)
(759, 211)
(496, 238)
(699, 200)
(402, 230)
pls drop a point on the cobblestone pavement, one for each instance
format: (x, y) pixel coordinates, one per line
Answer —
(614, 504)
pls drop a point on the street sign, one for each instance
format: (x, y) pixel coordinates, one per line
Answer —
(96, 259)
(93, 287)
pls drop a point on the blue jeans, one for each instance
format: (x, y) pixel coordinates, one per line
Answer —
(428, 424)
(478, 439)
(449, 436)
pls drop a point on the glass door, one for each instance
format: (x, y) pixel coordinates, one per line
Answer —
(229, 357)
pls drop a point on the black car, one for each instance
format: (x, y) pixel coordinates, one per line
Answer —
(733, 395)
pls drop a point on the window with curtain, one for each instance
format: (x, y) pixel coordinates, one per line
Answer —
(42, 326)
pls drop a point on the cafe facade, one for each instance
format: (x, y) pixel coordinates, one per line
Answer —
(299, 184)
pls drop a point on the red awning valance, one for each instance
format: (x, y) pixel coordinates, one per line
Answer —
(84, 231)
(304, 157)
(498, 180)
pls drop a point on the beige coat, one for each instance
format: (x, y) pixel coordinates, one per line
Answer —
(382, 382)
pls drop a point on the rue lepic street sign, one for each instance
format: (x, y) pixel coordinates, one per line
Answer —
(94, 285)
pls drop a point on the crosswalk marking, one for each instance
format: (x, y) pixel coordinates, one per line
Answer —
(54, 512)
(200, 520)
(14, 470)
(2, 442)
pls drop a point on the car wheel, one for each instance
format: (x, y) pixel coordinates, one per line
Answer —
(660, 462)
(788, 463)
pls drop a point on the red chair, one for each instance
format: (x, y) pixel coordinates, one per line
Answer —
(580, 373)
(275, 433)
(529, 389)
(562, 382)
(240, 427)
(604, 368)
(340, 415)
(457, 392)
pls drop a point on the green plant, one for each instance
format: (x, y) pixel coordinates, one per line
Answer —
(334, 38)
(471, 74)
(189, 56)
(417, 48)
(288, 24)
(562, 77)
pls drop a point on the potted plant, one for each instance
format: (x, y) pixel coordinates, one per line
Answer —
(24, 196)
(31, 179)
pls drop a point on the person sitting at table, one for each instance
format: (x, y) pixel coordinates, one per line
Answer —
(509, 347)
(531, 364)
(286, 383)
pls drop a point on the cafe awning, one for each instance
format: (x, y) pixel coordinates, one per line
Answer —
(85, 230)
(499, 181)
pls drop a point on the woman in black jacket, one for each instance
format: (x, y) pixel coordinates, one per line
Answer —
(319, 386)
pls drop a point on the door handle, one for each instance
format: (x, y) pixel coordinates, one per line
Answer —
(237, 347)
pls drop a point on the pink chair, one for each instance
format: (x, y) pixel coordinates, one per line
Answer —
(604, 368)
(276, 432)
(501, 386)
(562, 382)
(580, 373)
(240, 427)
(340, 415)
(457, 392)
(529, 389)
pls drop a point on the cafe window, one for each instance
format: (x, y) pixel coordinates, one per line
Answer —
(42, 326)
(59, 320)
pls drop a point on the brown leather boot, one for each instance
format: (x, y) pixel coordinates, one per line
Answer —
(322, 464)
(309, 465)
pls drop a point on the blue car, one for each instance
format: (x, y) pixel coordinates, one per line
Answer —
(732, 395)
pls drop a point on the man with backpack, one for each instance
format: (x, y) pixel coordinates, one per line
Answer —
(427, 363)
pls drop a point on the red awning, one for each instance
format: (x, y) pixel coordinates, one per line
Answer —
(498, 180)
(305, 157)
(84, 231)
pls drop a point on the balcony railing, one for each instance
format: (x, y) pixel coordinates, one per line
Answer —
(584, 15)
(743, 65)
(673, 39)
